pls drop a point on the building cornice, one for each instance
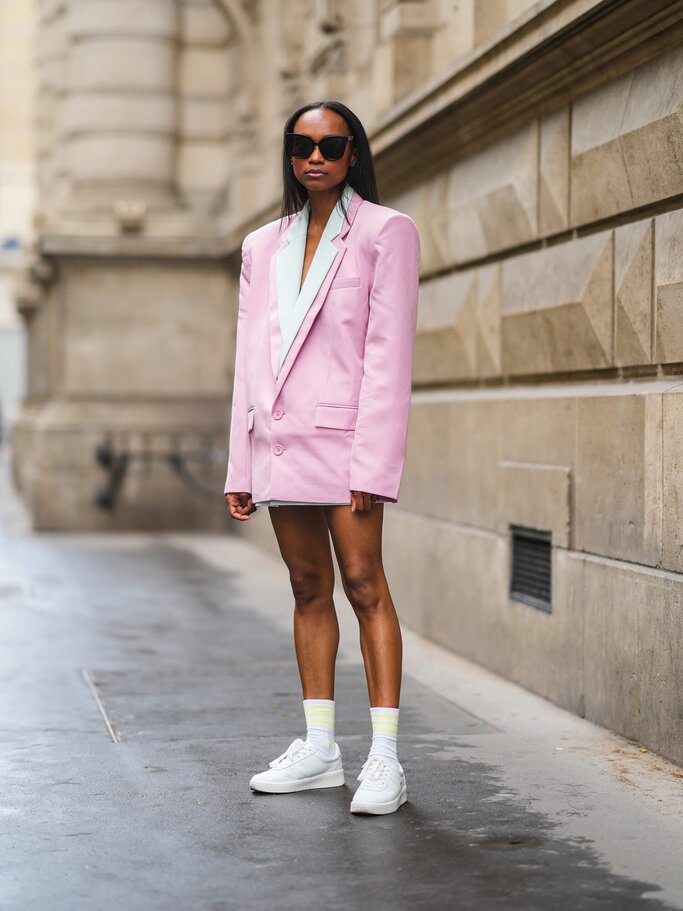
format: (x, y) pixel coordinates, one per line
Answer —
(544, 61)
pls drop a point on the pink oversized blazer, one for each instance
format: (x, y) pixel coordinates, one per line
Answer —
(333, 417)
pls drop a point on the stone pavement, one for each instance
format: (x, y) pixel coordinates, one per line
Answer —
(144, 678)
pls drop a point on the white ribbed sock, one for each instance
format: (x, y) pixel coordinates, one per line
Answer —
(384, 733)
(320, 724)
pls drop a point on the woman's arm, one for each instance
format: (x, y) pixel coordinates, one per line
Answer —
(238, 479)
(381, 431)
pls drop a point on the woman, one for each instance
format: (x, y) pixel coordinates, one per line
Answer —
(325, 332)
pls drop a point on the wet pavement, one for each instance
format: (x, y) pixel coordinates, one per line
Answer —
(145, 678)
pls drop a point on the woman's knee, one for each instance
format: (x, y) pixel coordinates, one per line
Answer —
(310, 587)
(365, 587)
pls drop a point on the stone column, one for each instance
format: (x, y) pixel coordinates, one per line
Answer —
(119, 120)
(130, 302)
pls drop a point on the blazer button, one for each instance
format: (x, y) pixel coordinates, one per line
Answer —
(277, 414)
(278, 449)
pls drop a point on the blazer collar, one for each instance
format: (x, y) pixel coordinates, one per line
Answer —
(299, 226)
(304, 305)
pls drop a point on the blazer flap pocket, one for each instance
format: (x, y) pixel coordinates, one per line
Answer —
(250, 418)
(341, 417)
(351, 281)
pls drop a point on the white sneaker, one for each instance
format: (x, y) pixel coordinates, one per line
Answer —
(300, 768)
(383, 787)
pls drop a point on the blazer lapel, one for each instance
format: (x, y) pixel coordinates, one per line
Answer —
(328, 258)
(293, 307)
(278, 286)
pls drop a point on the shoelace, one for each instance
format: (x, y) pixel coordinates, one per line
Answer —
(375, 770)
(295, 747)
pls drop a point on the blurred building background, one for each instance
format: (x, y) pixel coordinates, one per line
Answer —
(539, 147)
(17, 196)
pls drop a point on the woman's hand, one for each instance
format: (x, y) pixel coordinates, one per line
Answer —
(361, 501)
(240, 505)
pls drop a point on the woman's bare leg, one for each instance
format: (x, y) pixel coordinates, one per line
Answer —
(303, 538)
(357, 540)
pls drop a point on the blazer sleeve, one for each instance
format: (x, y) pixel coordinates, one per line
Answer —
(238, 479)
(380, 438)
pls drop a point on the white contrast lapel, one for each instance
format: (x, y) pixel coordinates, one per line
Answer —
(289, 264)
(281, 281)
(293, 304)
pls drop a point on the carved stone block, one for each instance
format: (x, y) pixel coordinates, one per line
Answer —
(672, 479)
(557, 307)
(627, 140)
(669, 286)
(633, 292)
(553, 192)
(492, 197)
(619, 477)
(458, 334)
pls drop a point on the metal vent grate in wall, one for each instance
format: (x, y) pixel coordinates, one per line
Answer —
(531, 562)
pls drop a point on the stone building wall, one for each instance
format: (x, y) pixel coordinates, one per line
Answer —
(538, 145)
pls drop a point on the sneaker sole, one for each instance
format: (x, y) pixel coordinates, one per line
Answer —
(379, 809)
(326, 780)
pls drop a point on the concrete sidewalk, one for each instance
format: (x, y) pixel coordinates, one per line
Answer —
(145, 678)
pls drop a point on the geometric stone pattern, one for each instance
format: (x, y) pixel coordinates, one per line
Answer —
(633, 267)
(556, 308)
(426, 205)
(492, 197)
(445, 341)
(553, 189)
(480, 205)
(627, 140)
(458, 327)
(580, 305)
(583, 303)
(669, 286)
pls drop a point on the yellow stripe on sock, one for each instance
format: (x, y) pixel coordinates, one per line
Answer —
(384, 722)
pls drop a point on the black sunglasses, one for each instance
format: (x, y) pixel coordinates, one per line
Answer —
(331, 148)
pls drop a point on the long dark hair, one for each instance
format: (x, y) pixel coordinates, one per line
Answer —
(361, 176)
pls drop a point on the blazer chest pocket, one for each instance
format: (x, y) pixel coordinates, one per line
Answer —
(351, 281)
(250, 419)
(339, 417)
